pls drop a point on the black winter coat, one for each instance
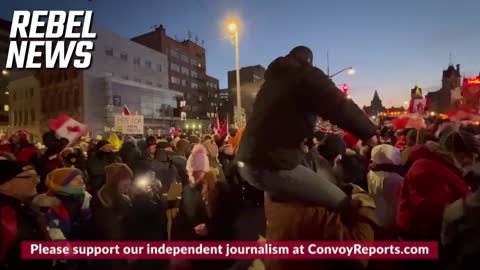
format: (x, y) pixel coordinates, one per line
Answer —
(165, 169)
(96, 169)
(285, 112)
(30, 226)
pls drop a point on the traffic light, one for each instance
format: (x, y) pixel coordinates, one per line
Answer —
(345, 88)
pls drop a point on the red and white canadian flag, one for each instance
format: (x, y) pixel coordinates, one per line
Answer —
(67, 127)
(125, 110)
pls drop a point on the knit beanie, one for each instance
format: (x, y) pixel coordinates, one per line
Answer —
(116, 172)
(151, 140)
(60, 181)
(331, 146)
(162, 144)
(9, 169)
(386, 154)
(198, 160)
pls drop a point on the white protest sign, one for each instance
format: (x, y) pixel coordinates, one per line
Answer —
(129, 124)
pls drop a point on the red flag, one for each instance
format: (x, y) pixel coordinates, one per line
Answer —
(216, 125)
(224, 130)
(126, 111)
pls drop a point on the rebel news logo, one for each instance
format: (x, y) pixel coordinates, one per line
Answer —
(50, 39)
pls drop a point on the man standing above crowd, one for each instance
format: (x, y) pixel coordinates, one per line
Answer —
(293, 95)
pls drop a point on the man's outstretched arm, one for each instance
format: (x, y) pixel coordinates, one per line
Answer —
(331, 104)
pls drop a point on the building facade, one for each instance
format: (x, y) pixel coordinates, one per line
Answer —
(187, 72)
(375, 107)
(122, 72)
(25, 104)
(4, 75)
(441, 100)
(251, 79)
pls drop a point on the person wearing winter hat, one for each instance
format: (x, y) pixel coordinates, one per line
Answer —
(212, 153)
(151, 148)
(435, 180)
(111, 207)
(66, 203)
(208, 207)
(24, 151)
(183, 148)
(102, 156)
(350, 140)
(384, 183)
(331, 147)
(112, 204)
(19, 221)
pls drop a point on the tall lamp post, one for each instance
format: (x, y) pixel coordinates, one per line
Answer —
(349, 70)
(233, 28)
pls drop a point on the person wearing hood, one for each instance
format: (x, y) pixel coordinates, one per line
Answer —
(384, 183)
(102, 156)
(179, 161)
(129, 153)
(212, 153)
(435, 180)
(164, 167)
(66, 204)
(208, 208)
(19, 221)
(271, 162)
(110, 212)
(111, 203)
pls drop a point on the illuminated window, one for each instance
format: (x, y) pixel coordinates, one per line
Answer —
(6, 108)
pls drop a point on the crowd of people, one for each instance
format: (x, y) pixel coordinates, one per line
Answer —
(374, 183)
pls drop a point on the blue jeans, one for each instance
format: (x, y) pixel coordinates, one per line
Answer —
(300, 184)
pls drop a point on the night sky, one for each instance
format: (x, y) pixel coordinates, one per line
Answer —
(391, 44)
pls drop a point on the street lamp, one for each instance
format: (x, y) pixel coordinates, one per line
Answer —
(349, 70)
(233, 28)
(5, 72)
